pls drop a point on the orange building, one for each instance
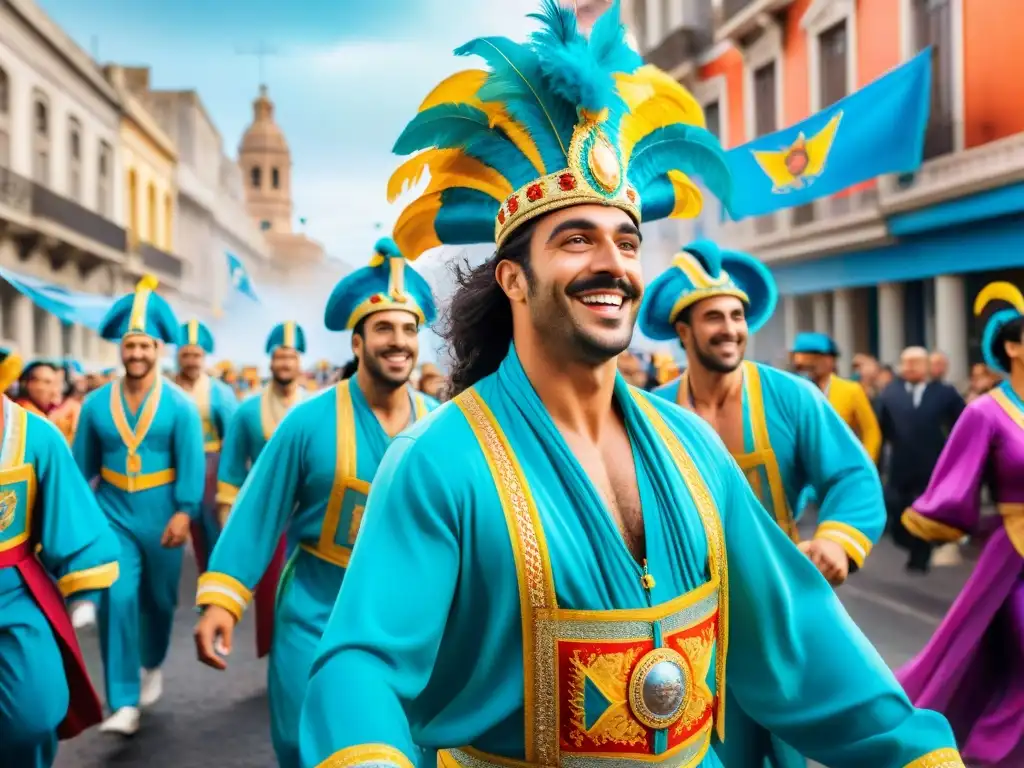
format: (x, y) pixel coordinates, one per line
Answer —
(895, 261)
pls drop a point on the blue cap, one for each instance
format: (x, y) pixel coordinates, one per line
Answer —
(288, 335)
(702, 270)
(195, 334)
(387, 283)
(997, 291)
(142, 312)
(809, 343)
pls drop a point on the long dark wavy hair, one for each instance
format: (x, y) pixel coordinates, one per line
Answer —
(478, 323)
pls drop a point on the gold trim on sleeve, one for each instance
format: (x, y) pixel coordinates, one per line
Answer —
(98, 577)
(226, 492)
(367, 754)
(930, 530)
(856, 545)
(940, 758)
(224, 591)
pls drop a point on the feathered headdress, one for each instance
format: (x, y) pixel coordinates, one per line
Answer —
(998, 291)
(558, 121)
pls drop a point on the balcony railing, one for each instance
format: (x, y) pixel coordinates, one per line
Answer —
(47, 204)
(15, 191)
(160, 261)
(680, 46)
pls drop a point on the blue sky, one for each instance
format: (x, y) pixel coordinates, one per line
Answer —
(347, 76)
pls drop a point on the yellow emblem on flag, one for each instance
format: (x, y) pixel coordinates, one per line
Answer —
(797, 166)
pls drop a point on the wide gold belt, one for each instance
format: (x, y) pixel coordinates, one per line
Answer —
(134, 483)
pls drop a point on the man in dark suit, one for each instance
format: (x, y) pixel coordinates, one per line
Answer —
(916, 416)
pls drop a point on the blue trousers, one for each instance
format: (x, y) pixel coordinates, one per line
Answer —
(309, 587)
(33, 689)
(136, 619)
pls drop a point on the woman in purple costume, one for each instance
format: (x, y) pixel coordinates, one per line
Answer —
(972, 670)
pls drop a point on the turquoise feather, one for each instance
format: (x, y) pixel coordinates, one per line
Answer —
(466, 128)
(658, 200)
(466, 217)
(686, 148)
(708, 254)
(387, 247)
(516, 82)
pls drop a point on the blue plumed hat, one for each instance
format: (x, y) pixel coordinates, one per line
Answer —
(288, 335)
(810, 343)
(559, 121)
(72, 367)
(998, 291)
(142, 312)
(195, 334)
(387, 283)
(700, 271)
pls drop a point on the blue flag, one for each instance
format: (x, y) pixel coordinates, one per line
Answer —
(70, 306)
(239, 277)
(879, 129)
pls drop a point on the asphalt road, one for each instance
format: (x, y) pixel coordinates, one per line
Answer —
(220, 720)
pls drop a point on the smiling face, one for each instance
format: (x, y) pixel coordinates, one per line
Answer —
(579, 292)
(715, 333)
(387, 346)
(138, 354)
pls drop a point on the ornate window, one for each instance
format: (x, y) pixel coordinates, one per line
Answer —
(40, 138)
(75, 160)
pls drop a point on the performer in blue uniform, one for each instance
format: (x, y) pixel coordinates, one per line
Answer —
(555, 568)
(779, 427)
(256, 420)
(45, 692)
(141, 435)
(312, 479)
(217, 403)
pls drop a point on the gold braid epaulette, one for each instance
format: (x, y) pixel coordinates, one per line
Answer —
(940, 758)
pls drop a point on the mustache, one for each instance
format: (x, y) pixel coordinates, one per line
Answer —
(723, 338)
(392, 350)
(602, 282)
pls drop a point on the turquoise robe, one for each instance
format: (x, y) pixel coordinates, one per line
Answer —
(312, 478)
(44, 502)
(429, 626)
(150, 465)
(793, 440)
(217, 404)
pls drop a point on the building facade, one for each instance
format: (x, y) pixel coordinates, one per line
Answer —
(212, 217)
(149, 161)
(895, 261)
(61, 189)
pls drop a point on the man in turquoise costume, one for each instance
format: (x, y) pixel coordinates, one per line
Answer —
(141, 435)
(217, 404)
(554, 567)
(257, 419)
(778, 426)
(312, 480)
(54, 545)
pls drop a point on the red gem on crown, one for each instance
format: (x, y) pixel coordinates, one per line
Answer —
(501, 216)
(631, 195)
(376, 299)
(513, 204)
(534, 193)
(567, 182)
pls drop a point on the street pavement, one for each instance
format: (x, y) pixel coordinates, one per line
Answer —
(209, 718)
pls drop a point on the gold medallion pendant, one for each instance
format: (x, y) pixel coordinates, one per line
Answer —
(659, 688)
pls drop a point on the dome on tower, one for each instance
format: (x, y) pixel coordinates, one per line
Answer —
(263, 135)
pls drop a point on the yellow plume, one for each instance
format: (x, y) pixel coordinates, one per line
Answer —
(449, 168)
(999, 291)
(147, 283)
(689, 200)
(656, 101)
(414, 231)
(10, 370)
(516, 133)
(460, 88)
(376, 260)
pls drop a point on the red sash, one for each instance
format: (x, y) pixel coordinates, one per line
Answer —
(265, 600)
(84, 707)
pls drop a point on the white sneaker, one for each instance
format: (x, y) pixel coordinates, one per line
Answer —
(947, 556)
(83, 614)
(152, 687)
(124, 721)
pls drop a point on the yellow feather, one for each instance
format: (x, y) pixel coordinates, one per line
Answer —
(499, 118)
(469, 173)
(689, 198)
(460, 88)
(147, 283)
(376, 260)
(656, 101)
(10, 370)
(410, 173)
(414, 231)
(999, 291)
